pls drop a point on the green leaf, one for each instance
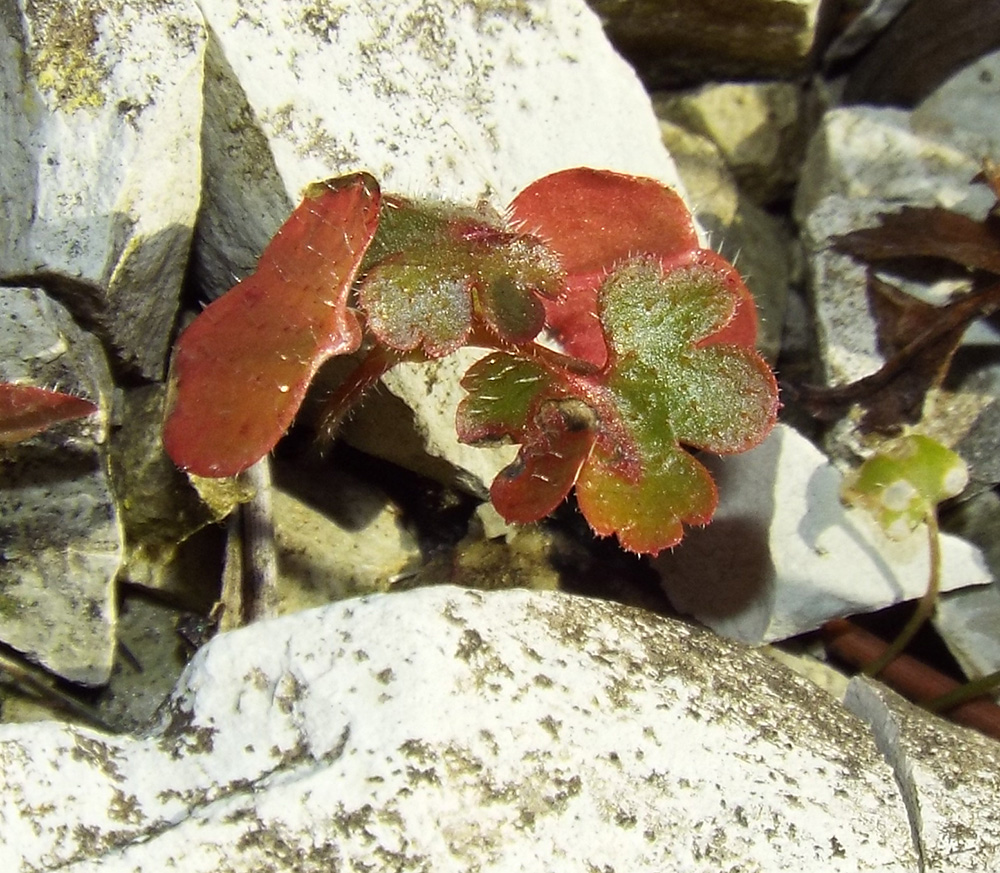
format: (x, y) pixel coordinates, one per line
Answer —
(648, 515)
(720, 397)
(420, 300)
(502, 391)
(904, 480)
(434, 273)
(668, 382)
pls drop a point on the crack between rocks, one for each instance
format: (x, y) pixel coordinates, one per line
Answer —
(865, 703)
(235, 789)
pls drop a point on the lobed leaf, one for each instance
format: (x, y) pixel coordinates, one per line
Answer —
(26, 410)
(647, 515)
(437, 272)
(502, 391)
(241, 369)
(618, 432)
(595, 220)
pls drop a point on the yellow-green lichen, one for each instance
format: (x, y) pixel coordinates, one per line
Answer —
(65, 61)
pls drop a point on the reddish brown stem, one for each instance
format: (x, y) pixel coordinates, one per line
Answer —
(375, 364)
(908, 676)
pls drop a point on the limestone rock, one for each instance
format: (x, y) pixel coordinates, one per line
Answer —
(455, 730)
(954, 111)
(100, 112)
(758, 127)
(783, 555)
(451, 100)
(687, 41)
(336, 536)
(60, 537)
(943, 772)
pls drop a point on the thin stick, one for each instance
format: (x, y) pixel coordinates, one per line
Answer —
(925, 606)
(260, 562)
(40, 683)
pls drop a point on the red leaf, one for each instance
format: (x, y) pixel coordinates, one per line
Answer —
(594, 220)
(26, 410)
(241, 369)
(556, 446)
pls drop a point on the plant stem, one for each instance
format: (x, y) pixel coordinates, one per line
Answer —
(260, 563)
(925, 606)
(969, 691)
(378, 361)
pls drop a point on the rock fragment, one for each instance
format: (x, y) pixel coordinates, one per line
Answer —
(100, 113)
(448, 729)
(60, 536)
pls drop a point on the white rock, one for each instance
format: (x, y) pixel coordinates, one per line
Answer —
(450, 100)
(783, 555)
(100, 112)
(943, 772)
(451, 730)
(955, 110)
(61, 542)
(863, 152)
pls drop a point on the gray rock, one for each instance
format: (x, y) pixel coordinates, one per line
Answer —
(687, 41)
(100, 112)
(336, 537)
(450, 100)
(871, 19)
(454, 730)
(60, 536)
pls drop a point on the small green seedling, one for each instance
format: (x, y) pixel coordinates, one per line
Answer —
(901, 486)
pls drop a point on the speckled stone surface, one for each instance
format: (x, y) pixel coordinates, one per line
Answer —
(61, 540)
(444, 729)
(100, 167)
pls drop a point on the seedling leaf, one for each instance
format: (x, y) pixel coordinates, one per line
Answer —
(618, 432)
(241, 369)
(903, 482)
(26, 410)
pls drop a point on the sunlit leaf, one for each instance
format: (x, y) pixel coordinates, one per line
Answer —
(241, 369)
(502, 389)
(904, 481)
(596, 219)
(647, 515)
(434, 273)
(26, 410)
(619, 432)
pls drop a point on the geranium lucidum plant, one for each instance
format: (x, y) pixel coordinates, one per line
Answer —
(656, 339)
